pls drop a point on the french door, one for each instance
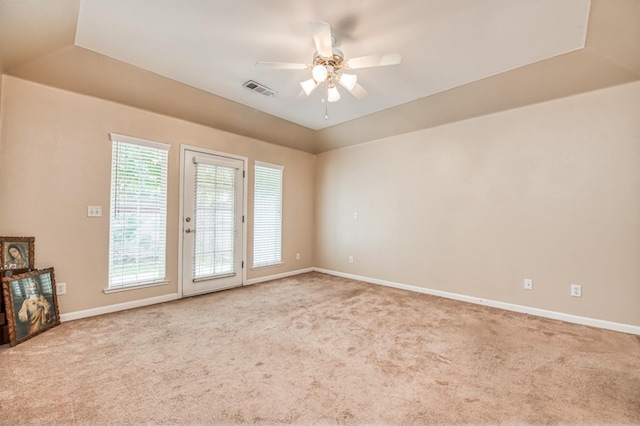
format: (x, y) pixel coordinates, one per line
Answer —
(212, 240)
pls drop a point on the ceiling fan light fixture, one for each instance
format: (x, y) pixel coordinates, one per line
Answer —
(348, 81)
(332, 93)
(309, 86)
(319, 73)
(329, 63)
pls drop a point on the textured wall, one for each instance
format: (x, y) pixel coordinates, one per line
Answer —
(549, 192)
(55, 158)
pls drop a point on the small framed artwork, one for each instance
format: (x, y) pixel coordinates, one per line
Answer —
(31, 304)
(17, 252)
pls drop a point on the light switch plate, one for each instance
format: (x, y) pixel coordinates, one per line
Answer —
(94, 211)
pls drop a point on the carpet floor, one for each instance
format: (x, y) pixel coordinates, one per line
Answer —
(317, 349)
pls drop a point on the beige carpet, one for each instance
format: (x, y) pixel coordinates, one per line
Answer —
(316, 349)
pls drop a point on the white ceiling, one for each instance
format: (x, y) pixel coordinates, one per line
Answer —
(214, 44)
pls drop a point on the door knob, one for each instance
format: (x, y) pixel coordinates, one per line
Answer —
(189, 230)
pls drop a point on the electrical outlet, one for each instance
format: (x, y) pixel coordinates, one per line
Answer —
(297, 256)
(576, 290)
(350, 259)
(61, 288)
(528, 284)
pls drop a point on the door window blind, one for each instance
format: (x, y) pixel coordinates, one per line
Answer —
(138, 213)
(215, 220)
(267, 215)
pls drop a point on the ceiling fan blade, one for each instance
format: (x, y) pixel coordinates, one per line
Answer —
(359, 92)
(374, 60)
(321, 32)
(281, 65)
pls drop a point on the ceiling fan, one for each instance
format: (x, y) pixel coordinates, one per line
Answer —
(329, 65)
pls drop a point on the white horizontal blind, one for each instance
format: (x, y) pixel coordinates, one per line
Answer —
(138, 214)
(215, 220)
(267, 215)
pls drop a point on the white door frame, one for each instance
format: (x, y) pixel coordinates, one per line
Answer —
(245, 161)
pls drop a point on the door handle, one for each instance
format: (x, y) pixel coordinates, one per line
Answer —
(189, 230)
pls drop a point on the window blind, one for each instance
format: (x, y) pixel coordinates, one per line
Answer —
(138, 212)
(267, 215)
(215, 220)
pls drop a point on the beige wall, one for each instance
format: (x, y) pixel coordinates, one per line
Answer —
(1, 81)
(549, 192)
(55, 161)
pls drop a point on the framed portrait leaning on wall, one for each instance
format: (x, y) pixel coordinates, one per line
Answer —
(31, 304)
(17, 253)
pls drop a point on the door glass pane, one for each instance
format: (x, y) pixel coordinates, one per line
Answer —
(214, 220)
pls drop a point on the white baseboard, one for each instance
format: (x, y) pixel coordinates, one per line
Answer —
(608, 325)
(624, 328)
(278, 276)
(118, 307)
(161, 299)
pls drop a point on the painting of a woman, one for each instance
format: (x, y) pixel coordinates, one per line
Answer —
(16, 257)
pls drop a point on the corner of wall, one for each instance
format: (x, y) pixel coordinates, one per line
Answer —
(1, 81)
(314, 218)
(1, 133)
(1, 102)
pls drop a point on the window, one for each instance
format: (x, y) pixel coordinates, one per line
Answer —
(138, 215)
(267, 215)
(215, 218)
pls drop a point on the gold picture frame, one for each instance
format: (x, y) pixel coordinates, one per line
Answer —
(31, 304)
(17, 253)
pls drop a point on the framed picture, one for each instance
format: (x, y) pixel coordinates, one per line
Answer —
(17, 252)
(31, 304)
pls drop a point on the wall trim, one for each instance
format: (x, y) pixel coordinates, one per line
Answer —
(608, 325)
(574, 319)
(71, 316)
(278, 276)
(118, 307)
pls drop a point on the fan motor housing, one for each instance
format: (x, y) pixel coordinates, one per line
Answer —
(336, 61)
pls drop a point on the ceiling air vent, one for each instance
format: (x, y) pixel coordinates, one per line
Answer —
(257, 87)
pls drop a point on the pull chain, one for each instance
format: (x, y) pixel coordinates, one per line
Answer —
(326, 100)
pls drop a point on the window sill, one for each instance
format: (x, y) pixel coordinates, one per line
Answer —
(135, 287)
(273, 265)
